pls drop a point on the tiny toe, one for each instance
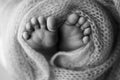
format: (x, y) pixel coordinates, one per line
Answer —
(33, 20)
(85, 39)
(35, 23)
(87, 31)
(42, 22)
(25, 35)
(73, 18)
(29, 28)
(51, 24)
(81, 20)
(85, 25)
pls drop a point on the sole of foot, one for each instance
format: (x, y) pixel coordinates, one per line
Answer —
(75, 32)
(41, 34)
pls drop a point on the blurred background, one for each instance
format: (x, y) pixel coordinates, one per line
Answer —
(3, 74)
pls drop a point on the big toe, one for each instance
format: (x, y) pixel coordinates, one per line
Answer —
(73, 18)
(51, 24)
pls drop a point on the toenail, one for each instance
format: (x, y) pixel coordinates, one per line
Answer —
(85, 39)
(33, 20)
(81, 20)
(73, 18)
(26, 36)
(87, 31)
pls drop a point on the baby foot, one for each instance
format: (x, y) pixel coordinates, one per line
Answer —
(75, 33)
(41, 34)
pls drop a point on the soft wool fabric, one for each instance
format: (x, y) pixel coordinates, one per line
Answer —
(24, 63)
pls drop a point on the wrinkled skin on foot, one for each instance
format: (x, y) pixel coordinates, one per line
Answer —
(24, 63)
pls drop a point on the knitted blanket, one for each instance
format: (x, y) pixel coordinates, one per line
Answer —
(24, 63)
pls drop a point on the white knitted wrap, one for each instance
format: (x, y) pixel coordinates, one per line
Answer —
(24, 63)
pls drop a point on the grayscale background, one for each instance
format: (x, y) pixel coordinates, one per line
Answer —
(3, 74)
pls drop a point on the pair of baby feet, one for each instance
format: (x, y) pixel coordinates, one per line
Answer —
(41, 34)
